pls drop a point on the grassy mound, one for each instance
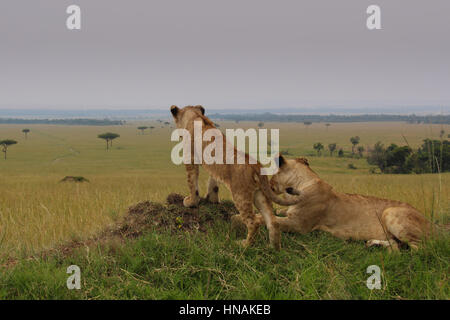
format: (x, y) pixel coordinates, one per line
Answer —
(173, 216)
(150, 216)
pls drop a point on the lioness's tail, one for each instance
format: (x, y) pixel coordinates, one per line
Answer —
(267, 190)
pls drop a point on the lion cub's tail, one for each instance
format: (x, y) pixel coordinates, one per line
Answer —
(267, 190)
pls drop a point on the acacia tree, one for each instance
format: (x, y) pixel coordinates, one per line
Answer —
(318, 147)
(354, 140)
(26, 131)
(108, 137)
(261, 124)
(332, 148)
(5, 144)
(327, 125)
(142, 128)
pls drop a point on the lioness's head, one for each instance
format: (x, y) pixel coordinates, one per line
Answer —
(291, 174)
(183, 116)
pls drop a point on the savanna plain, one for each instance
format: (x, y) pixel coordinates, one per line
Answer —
(38, 214)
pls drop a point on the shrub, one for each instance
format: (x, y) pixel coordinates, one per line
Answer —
(433, 156)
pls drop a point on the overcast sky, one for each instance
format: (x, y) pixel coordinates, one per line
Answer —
(224, 54)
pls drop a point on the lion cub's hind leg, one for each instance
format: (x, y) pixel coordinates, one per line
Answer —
(245, 207)
(237, 221)
(213, 191)
(192, 177)
(265, 208)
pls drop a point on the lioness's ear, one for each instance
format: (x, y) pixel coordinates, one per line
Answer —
(303, 160)
(201, 109)
(280, 161)
(174, 110)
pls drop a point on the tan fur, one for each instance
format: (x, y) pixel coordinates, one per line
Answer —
(244, 181)
(346, 216)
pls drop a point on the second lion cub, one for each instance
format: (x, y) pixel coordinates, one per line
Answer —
(346, 216)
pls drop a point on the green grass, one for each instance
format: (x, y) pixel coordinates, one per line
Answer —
(162, 265)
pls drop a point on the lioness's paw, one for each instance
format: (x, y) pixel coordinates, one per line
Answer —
(282, 212)
(189, 202)
(371, 243)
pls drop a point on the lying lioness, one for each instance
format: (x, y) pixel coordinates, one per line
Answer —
(245, 182)
(346, 216)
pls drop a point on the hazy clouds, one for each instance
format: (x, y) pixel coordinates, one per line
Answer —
(228, 53)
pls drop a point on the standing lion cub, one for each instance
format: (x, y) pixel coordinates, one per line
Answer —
(346, 216)
(245, 182)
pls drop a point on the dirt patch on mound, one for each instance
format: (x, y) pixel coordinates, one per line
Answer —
(175, 198)
(173, 216)
(147, 216)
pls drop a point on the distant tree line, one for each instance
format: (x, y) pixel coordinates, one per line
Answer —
(433, 156)
(82, 122)
(308, 119)
(332, 147)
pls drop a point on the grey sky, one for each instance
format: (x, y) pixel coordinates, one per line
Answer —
(224, 54)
